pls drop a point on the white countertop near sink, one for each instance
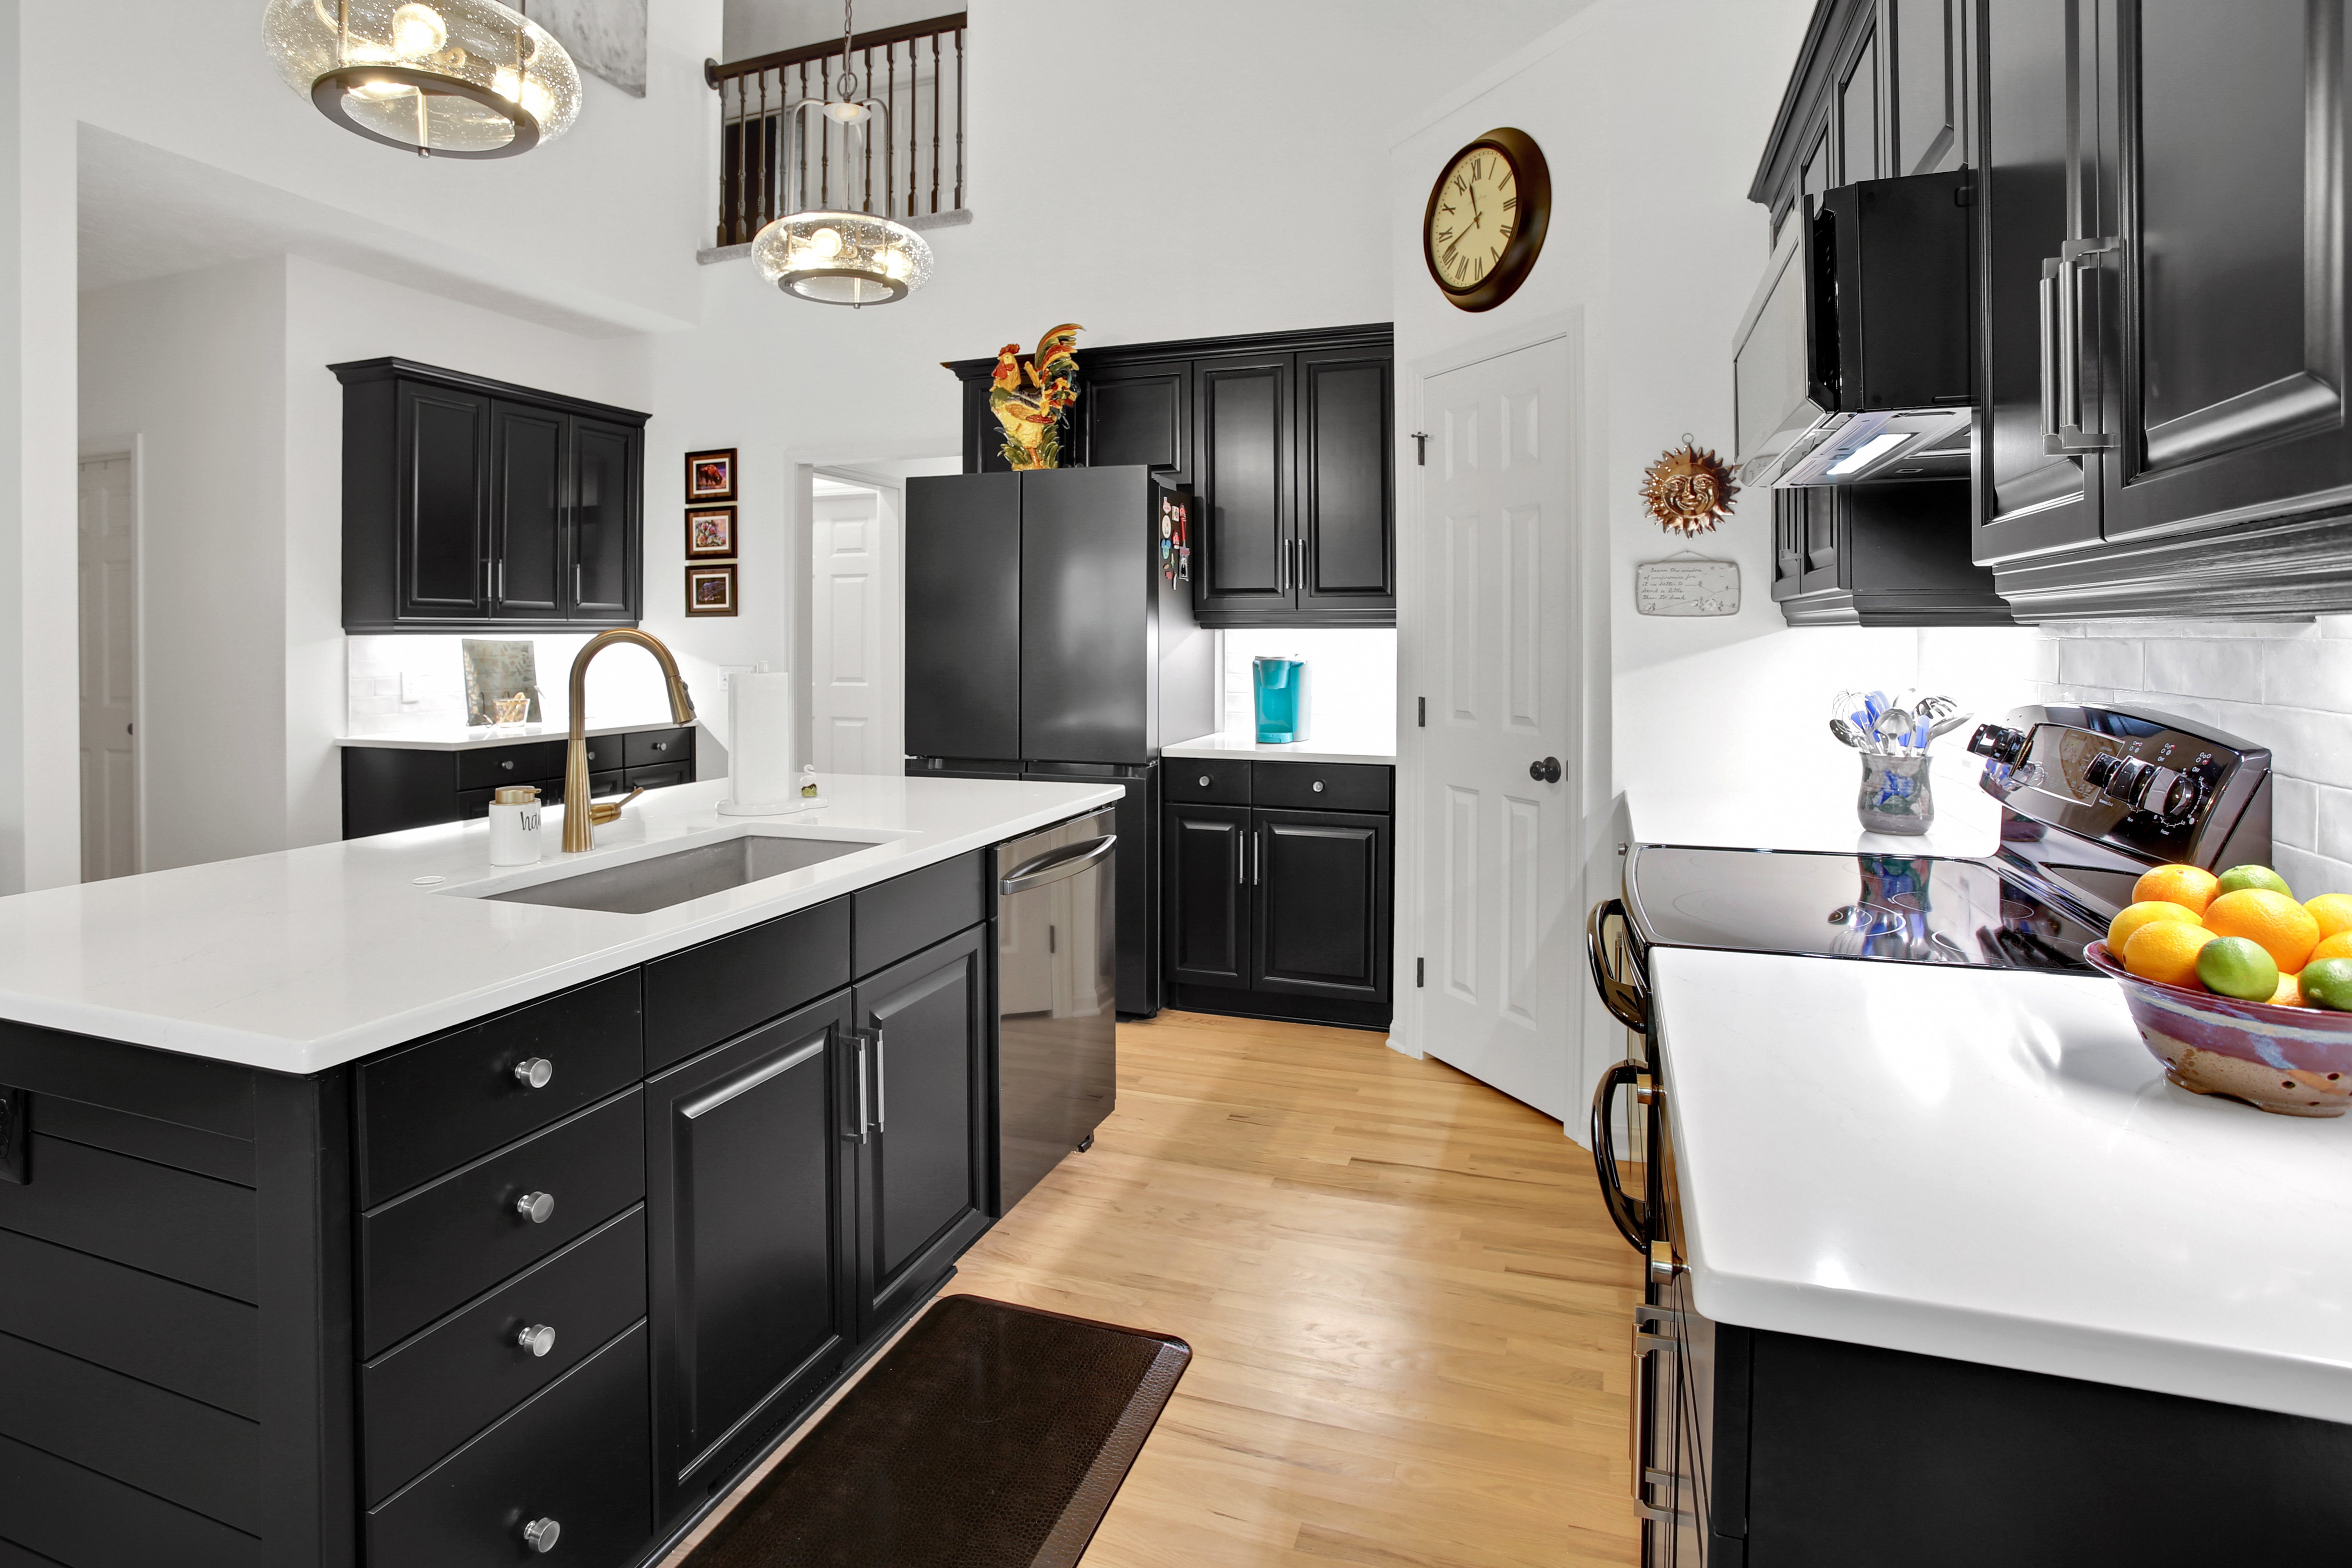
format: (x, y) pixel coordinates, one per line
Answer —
(1987, 1164)
(1804, 800)
(1338, 746)
(463, 739)
(306, 959)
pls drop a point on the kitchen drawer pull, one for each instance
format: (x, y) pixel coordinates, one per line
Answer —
(534, 1072)
(881, 1085)
(541, 1534)
(1055, 864)
(865, 1114)
(661, 745)
(536, 1207)
(1628, 1213)
(1319, 786)
(507, 764)
(537, 1337)
(1204, 781)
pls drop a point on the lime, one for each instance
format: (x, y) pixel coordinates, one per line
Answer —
(2237, 879)
(2238, 966)
(2328, 984)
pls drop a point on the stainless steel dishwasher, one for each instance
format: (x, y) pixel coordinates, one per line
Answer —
(1057, 998)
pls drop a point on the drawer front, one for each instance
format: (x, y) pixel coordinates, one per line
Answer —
(445, 1244)
(475, 803)
(1219, 782)
(712, 993)
(426, 1398)
(909, 913)
(606, 752)
(661, 776)
(1314, 786)
(490, 767)
(434, 1106)
(580, 1455)
(647, 747)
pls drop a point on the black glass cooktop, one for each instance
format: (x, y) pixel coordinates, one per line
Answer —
(1899, 907)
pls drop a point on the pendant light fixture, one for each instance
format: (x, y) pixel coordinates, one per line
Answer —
(445, 79)
(844, 258)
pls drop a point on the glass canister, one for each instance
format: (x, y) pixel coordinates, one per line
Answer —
(1894, 796)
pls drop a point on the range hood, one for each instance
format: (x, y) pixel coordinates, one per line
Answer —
(1856, 360)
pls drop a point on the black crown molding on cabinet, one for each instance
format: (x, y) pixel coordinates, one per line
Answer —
(393, 368)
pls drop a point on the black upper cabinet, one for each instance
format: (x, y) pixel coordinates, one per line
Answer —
(1288, 442)
(1244, 557)
(471, 503)
(922, 1149)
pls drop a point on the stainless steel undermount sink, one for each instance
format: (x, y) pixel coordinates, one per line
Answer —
(641, 886)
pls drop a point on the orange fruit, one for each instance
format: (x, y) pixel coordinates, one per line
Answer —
(2336, 946)
(2167, 951)
(2190, 886)
(2133, 916)
(2334, 914)
(2289, 993)
(2283, 928)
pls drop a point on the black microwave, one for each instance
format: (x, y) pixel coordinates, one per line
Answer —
(1857, 357)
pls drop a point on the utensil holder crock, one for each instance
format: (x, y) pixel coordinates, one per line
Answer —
(1894, 795)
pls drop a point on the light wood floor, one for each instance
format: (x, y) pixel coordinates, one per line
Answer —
(1408, 1313)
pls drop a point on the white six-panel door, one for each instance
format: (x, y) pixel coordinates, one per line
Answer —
(109, 655)
(1495, 882)
(856, 719)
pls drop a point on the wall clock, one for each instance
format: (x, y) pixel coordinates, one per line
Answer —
(1486, 217)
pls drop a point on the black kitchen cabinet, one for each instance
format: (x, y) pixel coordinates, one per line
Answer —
(389, 788)
(471, 503)
(1280, 882)
(750, 1190)
(1879, 555)
(1287, 440)
(921, 1112)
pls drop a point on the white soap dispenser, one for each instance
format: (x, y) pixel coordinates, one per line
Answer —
(514, 826)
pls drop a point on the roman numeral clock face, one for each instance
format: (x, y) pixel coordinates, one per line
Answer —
(1486, 218)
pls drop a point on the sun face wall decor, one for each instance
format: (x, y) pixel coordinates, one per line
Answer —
(1688, 490)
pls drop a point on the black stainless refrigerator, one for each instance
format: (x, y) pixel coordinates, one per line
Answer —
(1044, 641)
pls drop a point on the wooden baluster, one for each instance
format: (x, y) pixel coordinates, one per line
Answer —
(935, 122)
(958, 188)
(890, 63)
(742, 154)
(767, 167)
(914, 113)
(866, 83)
(824, 143)
(796, 119)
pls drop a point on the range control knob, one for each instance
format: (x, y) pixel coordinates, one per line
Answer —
(2178, 799)
(1998, 742)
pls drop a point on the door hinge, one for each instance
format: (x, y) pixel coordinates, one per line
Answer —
(1421, 448)
(1424, 710)
(1419, 966)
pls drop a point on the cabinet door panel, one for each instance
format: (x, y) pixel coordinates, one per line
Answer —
(604, 508)
(2028, 499)
(527, 511)
(2225, 384)
(1858, 116)
(922, 1188)
(1245, 483)
(1926, 111)
(1345, 514)
(1321, 913)
(1140, 413)
(749, 1197)
(1208, 896)
(444, 443)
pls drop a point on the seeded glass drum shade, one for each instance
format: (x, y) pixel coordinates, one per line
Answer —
(456, 78)
(843, 258)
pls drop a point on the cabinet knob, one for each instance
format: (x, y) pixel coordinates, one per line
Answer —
(535, 1073)
(536, 1207)
(536, 1338)
(507, 764)
(1319, 786)
(661, 745)
(541, 1534)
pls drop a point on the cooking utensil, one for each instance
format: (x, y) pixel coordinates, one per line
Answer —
(1850, 735)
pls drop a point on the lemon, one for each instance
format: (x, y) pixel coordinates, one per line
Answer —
(2133, 916)
(2192, 886)
(2289, 993)
(2237, 966)
(2166, 951)
(2238, 879)
(2333, 911)
(2328, 984)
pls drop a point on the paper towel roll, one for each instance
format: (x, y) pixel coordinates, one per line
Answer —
(760, 774)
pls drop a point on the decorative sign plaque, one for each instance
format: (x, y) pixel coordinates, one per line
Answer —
(1686, 585)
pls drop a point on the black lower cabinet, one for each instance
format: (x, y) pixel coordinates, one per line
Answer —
(922, 1159)
(389, 788)
(1321, 905)
(1206, 856)
(748, 1184)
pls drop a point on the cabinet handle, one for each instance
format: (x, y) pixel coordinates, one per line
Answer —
(881, 1085)
(661, 745)
(541, 1534)
(1282, 566)
(502, 579)
(536, 1338)
(575, 584)
(1204, 781)
(1241, 865)
(1319, 786)
(536, 1207)
(1257, 855)
(864, 1113)
(536, 1072)
(2066, 429)
(507, 764)
(1645, 1345)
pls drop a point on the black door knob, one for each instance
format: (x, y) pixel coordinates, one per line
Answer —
(1545, 771)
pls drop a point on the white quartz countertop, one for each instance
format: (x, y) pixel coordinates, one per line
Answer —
(301, 960)
(1805, 801)
(1988, 1165)
(1340, 746)
(462, 739)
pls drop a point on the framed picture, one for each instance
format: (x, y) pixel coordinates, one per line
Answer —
(711, 590)
(710, 531)
(711, 476)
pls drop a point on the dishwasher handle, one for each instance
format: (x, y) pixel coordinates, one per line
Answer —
(1056, 864)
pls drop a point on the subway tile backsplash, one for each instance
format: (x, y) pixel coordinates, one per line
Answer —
(412, 683)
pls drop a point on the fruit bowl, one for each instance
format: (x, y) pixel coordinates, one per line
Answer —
(2293, 1061)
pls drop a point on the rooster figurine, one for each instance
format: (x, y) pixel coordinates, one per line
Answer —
(1032, 413)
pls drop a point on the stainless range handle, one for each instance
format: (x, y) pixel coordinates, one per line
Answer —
(1625, 1001)
(1056, 864)
(1630, 1215)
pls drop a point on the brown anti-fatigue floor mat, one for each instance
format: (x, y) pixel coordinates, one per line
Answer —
(990, 1436)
